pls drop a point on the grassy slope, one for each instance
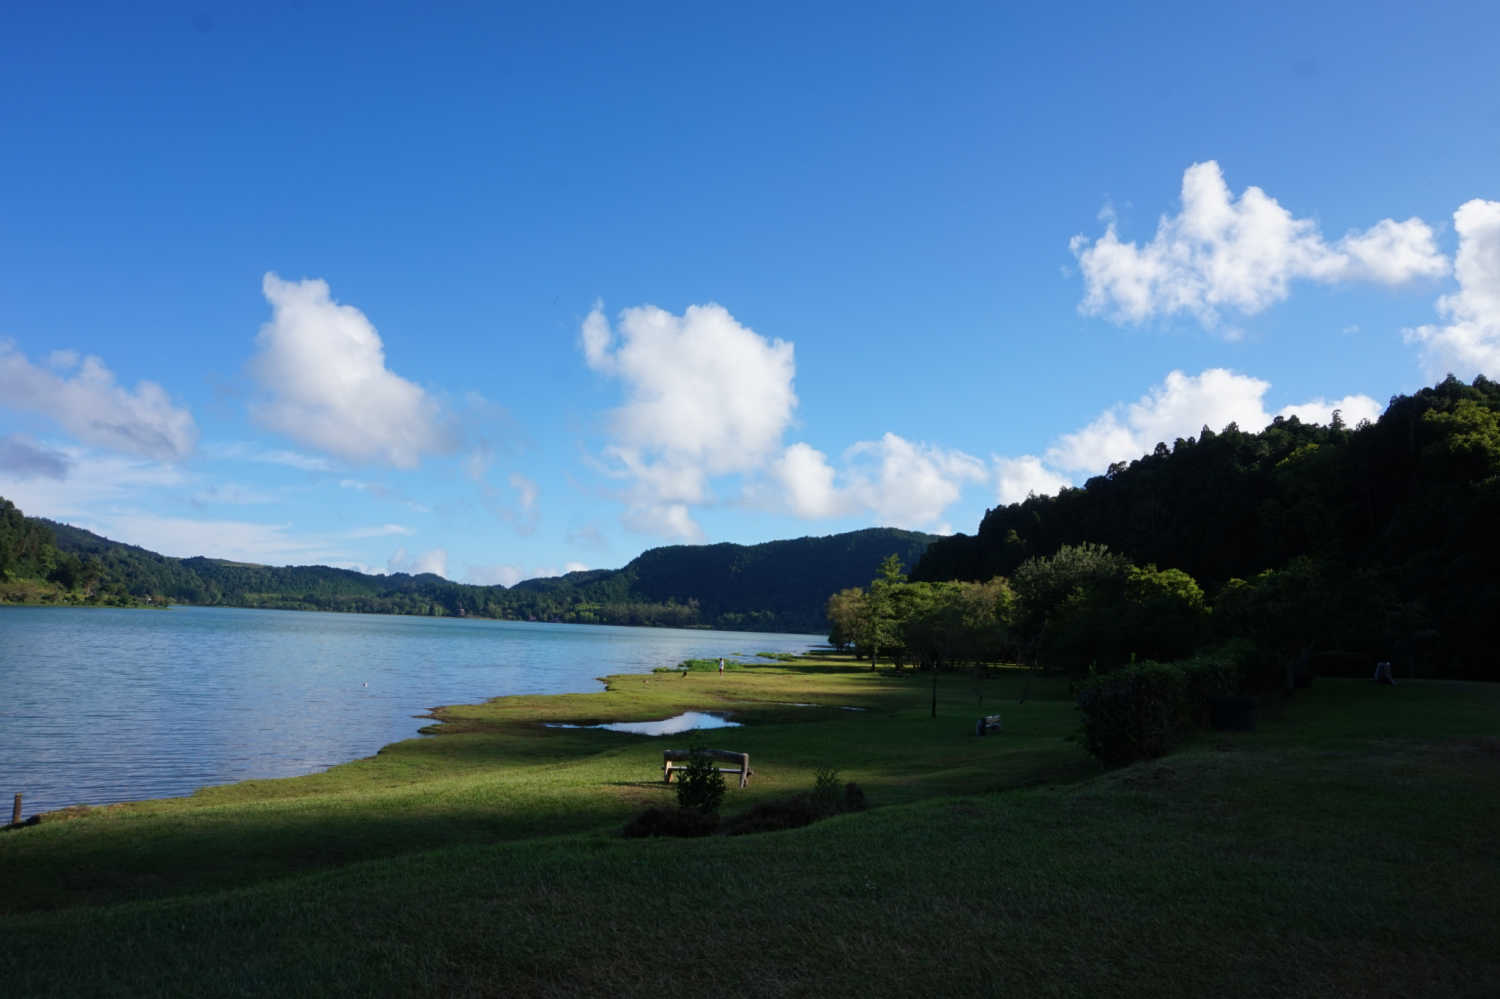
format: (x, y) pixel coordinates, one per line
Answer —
(1344, 849)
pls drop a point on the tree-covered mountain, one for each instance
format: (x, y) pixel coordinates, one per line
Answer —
(1380, 539)
(776, 586)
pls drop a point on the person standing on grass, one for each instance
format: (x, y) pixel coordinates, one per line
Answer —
(721, 665)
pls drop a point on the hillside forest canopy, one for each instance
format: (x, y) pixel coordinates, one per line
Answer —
(776, 586)
(1296, 549)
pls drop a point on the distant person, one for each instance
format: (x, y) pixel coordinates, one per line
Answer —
(721, 665)
(1383, 673)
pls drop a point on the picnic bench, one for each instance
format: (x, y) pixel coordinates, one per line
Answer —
(677, 759)
(987, 724)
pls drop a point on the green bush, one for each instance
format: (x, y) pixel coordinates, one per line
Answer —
(1146, 708)
(656, 821)
(828, 791)
(1136, 712)
(700, 786)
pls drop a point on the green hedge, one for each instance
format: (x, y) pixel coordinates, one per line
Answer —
(1142, 710)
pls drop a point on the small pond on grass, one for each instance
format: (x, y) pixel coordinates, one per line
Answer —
(686, 722)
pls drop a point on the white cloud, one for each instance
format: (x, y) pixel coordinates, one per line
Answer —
(1221, 252)
(434, 561)
(241, 451)
(807, 481)
(704, 396)
(322, 366)
(91, 407)
(493, 575)
(380, 531)
(1018, 478)
(510, 575)
(1179, 407)
(91, 481)
(239, 541)
(905, 484)
(671, 521)
(1351, 409)
(1470, 344)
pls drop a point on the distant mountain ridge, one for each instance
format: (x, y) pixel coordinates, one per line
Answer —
(773, 586)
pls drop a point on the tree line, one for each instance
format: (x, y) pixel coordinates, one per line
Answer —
(776, 586)
(1330, 546)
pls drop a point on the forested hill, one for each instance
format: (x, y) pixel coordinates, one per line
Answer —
(776, 586)
(1401, 516)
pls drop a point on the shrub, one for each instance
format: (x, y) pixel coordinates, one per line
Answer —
(1209, 678)
(770, 816)
(1136, 712)
(827, 790)
(700, 786)
(854, 798)
(656, 821)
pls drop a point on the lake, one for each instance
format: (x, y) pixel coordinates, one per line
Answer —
(101, 705)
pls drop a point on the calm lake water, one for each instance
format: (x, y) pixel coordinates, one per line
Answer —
(101, 705)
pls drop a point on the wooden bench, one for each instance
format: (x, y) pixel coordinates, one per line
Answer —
(987, 724)
(677, 759)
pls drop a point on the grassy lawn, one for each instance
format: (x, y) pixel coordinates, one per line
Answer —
(1344, 848)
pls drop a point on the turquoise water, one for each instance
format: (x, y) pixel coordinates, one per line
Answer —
(100, 705)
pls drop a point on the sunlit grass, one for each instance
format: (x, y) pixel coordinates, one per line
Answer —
(1345, 848)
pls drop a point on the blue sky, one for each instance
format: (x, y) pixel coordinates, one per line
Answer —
(504, 292)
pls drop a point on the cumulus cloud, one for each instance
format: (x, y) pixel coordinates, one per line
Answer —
(909, 485)
(1351, 409)
(704, 396)
(23, 459)
(1222, 252)
(671, 521)
(81, 396)
(434, 561)
(1018, 478)
(1469, 344)
(322, 366)
(807, 481)
(493, 575)
(1178, 407)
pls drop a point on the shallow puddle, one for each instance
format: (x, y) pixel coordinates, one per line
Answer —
(685, 722)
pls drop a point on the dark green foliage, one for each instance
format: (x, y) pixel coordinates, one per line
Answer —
(687, 822)
(772, 816)
(1389, 533)
(828, 792)
(829, 797)
(1137, 712)
(700, 786)
(1142, 710)
(778, 586)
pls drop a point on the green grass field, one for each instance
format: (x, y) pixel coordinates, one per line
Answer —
(1346, 847)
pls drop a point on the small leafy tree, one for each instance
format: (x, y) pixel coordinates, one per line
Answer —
(700, 786)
